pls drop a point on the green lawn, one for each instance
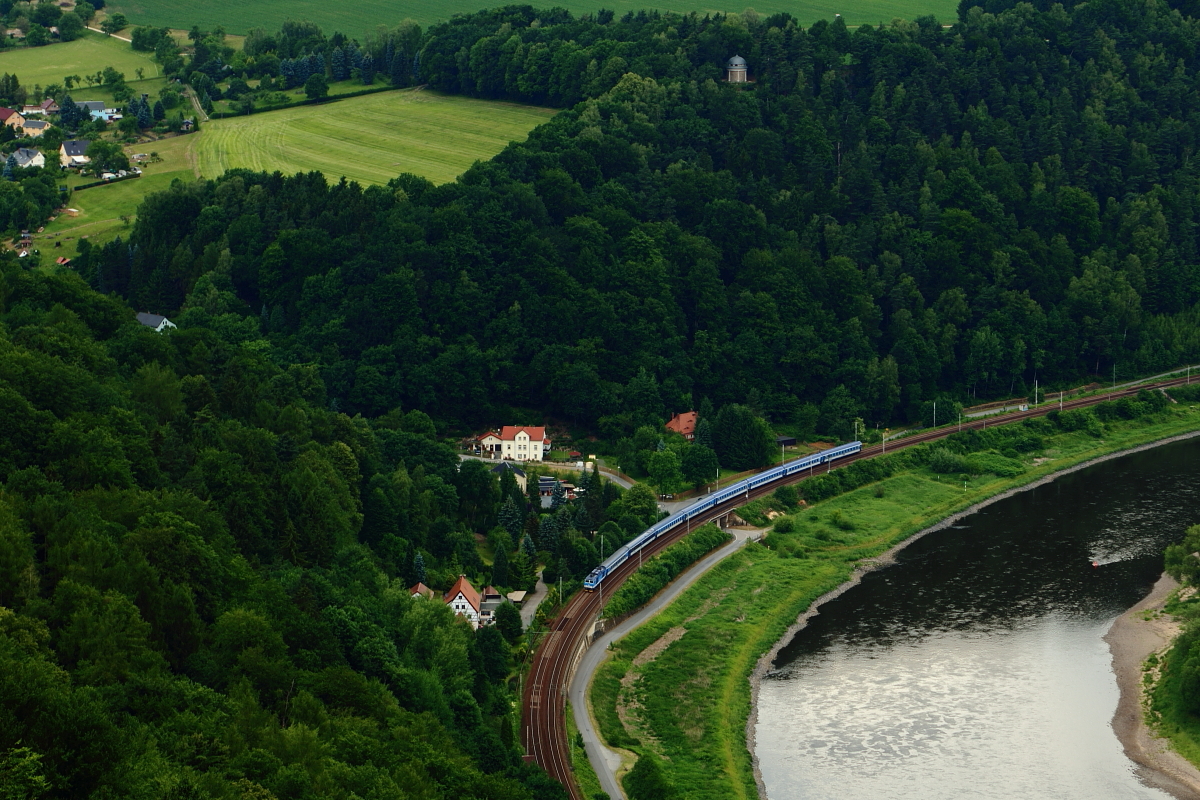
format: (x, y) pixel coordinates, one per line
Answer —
(369, 139)
(100, 209)
(361, 17)
(89, 54)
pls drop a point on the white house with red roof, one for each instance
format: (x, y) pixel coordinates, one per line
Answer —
(420, 590)
(684, 424)
(515, 443)
(465, 601)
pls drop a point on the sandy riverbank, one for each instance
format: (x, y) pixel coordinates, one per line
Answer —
(1132, 638)
(1157, 767)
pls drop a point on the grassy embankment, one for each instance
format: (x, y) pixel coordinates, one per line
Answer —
(361, 17)
(691, 708)
(90, 53)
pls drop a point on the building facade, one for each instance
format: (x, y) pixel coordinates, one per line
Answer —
(735, 70)
(515, 443)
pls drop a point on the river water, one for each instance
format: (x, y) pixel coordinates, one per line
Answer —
(974, 667)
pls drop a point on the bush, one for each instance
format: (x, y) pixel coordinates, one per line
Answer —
(995, 464)
(787, 496)
(784, 525)
(942, 461)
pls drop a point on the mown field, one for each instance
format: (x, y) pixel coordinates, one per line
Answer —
(88, 54)
(358, 18)
(369, 139)
(691, 707)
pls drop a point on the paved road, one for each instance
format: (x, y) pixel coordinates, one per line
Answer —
(530, 607)
(605, 761)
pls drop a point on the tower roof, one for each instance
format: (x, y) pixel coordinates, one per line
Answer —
(737, 62)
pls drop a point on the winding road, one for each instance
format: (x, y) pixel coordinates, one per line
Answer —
(543, 717)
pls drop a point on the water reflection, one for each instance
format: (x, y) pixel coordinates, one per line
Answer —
(975, 667)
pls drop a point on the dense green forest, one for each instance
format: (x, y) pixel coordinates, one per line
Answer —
(883, 217)
(204, 573)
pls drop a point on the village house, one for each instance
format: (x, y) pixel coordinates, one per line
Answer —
(421, 591)
(515, 443)
(488, 604)
(11, 118)
(28, 158)
(156, 321)
(464, 600)
(517, 473)
(49, 106)
(684, 424)
(34, 128)
(73, 153)
(31, 111)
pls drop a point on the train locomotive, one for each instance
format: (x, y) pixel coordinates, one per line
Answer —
(742, 488)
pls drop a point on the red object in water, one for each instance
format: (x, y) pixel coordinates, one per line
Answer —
(1095, 564)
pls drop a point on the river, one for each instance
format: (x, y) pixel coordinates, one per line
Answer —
(974, 666)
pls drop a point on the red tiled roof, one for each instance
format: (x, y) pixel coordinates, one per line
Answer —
(468, 591)
(420, 589)
(684, 423)
(509, 432)
(5, 113)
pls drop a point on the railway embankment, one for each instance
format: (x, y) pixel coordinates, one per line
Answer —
(692, 706)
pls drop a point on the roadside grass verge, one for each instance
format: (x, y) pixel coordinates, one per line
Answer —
(369, 139)
(89, 53)
(694, 696)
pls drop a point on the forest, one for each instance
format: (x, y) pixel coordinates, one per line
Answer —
(881, 218)
(205, 572)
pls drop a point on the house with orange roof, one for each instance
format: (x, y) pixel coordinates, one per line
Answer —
(420, 590)
(515, 443)
(684, 424)
(465, 600)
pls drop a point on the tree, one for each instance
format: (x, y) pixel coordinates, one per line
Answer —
(37, 36)
(106, 156)
(159, 113)
(316, 87)
(508, 622)
(558, 496)
(114, 23)
(494, 651)
(511, 518)
(699, 465)
(665, 471)
(743, 440)
(419, 568)
(70, 26)
(646, 780)
(10, 164)
(500, 569)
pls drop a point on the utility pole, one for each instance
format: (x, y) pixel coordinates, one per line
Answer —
(935, 413)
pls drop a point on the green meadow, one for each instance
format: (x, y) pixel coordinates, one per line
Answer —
(358, 18)
(688, 706)
(369, 139)
(88, 54)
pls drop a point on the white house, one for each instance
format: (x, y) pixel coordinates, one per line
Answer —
(465, 601)
(516, 443)
(156, 321)
(420, 590)
(27, 157)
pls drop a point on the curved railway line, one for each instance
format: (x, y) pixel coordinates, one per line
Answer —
(543, 717)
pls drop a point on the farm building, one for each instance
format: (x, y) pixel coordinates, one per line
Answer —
(735, 70)
(421, 590)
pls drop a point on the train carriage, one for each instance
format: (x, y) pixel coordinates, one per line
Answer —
(704, 504)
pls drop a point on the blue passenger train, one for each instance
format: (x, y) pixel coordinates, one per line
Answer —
(708, 502)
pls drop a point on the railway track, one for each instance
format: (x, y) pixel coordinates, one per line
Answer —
(543, 717)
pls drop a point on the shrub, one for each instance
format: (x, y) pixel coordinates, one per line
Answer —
(787, 496)
(995, 464)
(785, 525)
(941, 460)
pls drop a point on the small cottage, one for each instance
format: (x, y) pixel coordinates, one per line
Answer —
(517, 473)
(684, 424)
(73, 153)
(11, 118)
(420, 591)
